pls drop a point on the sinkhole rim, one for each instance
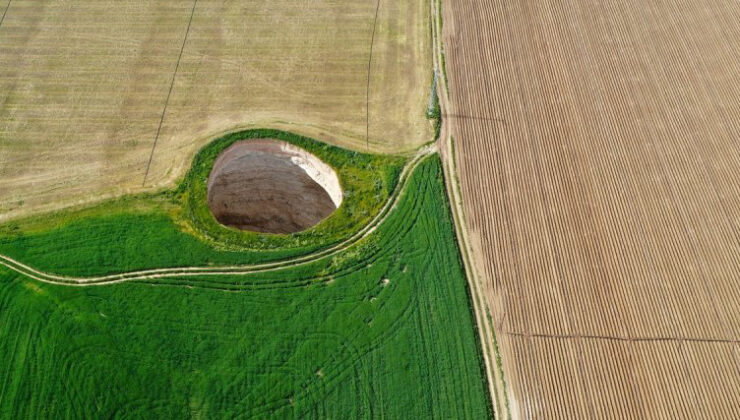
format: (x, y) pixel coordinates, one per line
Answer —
(271, 186)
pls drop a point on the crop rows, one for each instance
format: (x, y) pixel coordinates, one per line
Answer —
(597, 147)
(381, 329)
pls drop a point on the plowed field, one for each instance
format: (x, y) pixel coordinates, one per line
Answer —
(598, 151)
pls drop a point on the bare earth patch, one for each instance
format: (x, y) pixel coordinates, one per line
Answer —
(271, 186)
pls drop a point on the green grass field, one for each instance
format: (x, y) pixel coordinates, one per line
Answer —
(367, 182)
(381, 330)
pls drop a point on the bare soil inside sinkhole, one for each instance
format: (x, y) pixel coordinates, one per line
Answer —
(271, 186)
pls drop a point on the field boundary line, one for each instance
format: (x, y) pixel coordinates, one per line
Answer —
(169, 93)
(473, 117)
(2, 19)
(489, 348)
(231, 270)
(622, 339)
(367, 87)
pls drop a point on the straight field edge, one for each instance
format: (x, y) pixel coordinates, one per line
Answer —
(488, 348)
(490, 355)
(473, 295)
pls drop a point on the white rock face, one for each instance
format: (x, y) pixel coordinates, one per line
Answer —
(271, 186)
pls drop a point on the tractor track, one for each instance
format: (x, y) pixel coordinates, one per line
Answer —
(230, 270)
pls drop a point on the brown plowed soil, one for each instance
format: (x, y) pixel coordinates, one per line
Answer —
(598, 151)
(264, 186)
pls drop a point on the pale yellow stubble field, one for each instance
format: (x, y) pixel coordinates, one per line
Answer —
(83, 86)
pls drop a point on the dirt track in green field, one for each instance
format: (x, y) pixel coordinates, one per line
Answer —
(228, 270)
(380, 328)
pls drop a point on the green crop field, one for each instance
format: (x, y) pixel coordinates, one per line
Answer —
(382, 329)
(367, 182)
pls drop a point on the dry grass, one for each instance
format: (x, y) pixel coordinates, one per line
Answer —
(84, 86)
(598, 143)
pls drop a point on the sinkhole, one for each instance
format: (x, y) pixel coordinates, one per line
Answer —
(271, 186)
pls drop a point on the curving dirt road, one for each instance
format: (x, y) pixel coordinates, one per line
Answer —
(231, 270)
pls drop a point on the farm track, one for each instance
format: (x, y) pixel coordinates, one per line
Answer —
(169, 93)
(596, 149)
(231, 270)
(5, 12)
(369, 73)
(486, 334)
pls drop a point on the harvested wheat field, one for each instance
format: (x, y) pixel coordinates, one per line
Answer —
(102, 98)
(597, 146)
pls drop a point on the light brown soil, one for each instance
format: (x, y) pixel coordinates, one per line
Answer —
(597, 148)
(87, 86)
(271, 186)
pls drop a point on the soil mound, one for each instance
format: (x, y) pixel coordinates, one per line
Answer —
(271, 186)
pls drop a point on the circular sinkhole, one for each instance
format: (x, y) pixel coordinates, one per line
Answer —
(271, 186)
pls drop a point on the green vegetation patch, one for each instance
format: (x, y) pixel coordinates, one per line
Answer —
(367, 181)
(175, 228)
(434, 111)
(382, 329)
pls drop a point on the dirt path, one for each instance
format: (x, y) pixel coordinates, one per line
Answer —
(490, 352)
(231, 270)
(444, 146)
